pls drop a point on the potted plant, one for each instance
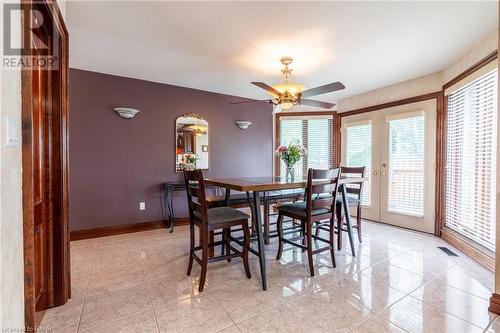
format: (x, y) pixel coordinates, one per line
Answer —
(290, 155)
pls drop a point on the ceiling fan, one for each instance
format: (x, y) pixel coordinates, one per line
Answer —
(287, 93)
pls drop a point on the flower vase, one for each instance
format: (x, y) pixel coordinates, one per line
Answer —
(290, 172)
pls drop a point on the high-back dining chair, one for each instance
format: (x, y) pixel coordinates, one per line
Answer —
(209, 220)
(319, 204)
(354, 197)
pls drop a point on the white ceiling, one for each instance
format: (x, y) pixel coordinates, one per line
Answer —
(223, 46)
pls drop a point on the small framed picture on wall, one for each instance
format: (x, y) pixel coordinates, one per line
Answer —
(204, 148)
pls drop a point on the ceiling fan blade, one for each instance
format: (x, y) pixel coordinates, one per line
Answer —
(267, 88)
(310, 102)
(323, 89)
(251, 101)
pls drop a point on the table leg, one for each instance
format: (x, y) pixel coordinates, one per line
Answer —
(171, 209)
(227, 198)
(347, 219)
(250, 205)
(260, 238)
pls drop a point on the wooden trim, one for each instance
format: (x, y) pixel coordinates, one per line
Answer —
(27, 178)
(336, 144)
(387, 105)
(335, 159)
(440, 165)
(494, 304)
(483, 62)
(305, 113)
(123, 229)
(58, 238)
(466, 246)
(440, 139)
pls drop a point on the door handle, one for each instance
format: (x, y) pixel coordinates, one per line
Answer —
(384, 173)
(374, 173)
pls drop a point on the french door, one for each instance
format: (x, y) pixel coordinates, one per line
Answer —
(397, 146)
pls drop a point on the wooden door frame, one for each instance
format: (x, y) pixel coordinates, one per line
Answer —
(59, 290)
(438, 96)
(335, 134)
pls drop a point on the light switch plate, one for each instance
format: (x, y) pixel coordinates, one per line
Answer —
(11, 132)
(142, 205)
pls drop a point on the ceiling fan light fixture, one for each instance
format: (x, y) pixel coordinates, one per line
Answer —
(287, 93)
(290, 87)
(286, 105)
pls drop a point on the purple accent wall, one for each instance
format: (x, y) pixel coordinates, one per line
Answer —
(115, 163)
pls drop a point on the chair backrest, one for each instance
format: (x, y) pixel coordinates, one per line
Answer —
(353, 189)
(195, 187)
(322, 195)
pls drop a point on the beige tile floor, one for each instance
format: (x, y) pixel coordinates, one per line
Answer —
(400, 282)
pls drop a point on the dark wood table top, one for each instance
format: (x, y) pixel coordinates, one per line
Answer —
(249, 184)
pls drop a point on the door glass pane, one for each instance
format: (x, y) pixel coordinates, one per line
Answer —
(359, 153)
(406, 166)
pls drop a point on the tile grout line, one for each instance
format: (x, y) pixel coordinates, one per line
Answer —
(445, 311)
(149, 297)
(434, 307)
(84, 300)
(115, 319)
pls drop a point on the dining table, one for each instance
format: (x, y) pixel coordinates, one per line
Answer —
(259, 185)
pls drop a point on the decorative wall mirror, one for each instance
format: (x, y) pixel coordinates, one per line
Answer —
(191, 143)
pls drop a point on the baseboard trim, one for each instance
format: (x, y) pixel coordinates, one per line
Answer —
(466, 247)
(494, 304)
(123, 229)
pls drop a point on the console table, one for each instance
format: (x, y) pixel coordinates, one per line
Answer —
(168, 201)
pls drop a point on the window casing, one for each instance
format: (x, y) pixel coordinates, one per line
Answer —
(315, 132)
(470, 160)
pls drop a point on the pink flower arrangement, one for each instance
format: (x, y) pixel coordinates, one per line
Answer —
(281, 149)
(291, 154)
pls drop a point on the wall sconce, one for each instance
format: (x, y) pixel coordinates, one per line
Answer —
(242, 124)
(127, 113)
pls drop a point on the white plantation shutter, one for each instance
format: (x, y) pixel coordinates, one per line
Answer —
(471, 159)
(315, 133)
(359, 152)
(406, 163)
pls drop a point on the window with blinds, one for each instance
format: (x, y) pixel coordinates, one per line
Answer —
(406, 163)
(359, 152)
(471, 143)
(314, 133)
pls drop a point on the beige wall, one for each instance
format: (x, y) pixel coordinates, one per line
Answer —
(11, 226)
(419, 86)
(479, 51)
(425, 84)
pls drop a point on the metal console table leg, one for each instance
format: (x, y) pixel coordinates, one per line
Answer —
(169, 206)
